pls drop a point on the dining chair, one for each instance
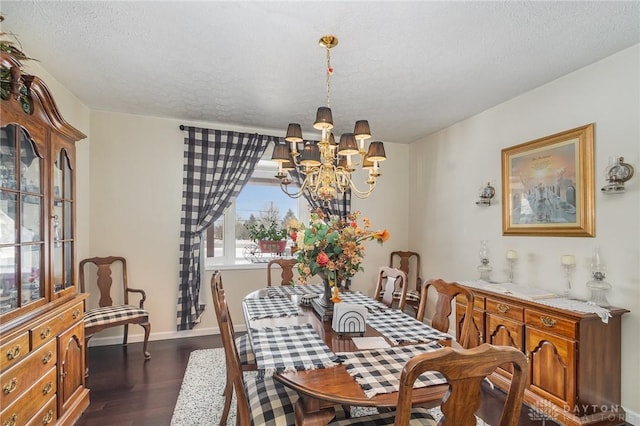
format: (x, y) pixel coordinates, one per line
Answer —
(409, 263)
(259, 401)
(247, 357)
(465, 370)
(447, 293)
(391, 287)
(286, 274)
(110, 313)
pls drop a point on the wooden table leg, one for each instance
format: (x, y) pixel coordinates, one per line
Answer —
(311, 412)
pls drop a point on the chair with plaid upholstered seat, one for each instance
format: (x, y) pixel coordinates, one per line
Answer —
(286, 266)
(391, 287)
(440, 319)
(109, 313)
(409, 263)
(261, 401)
(463, 398)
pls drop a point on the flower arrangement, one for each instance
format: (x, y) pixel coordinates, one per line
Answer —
(332, 247)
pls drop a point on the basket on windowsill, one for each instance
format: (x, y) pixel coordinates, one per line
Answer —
(268, 246)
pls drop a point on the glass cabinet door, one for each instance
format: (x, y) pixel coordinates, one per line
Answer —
(21, 220)
(62, 223)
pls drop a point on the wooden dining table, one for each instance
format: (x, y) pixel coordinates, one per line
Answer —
(321, 389)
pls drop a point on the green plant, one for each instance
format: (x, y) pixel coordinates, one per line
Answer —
(272, 231)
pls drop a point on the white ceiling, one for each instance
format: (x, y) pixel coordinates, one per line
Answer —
(410, 68)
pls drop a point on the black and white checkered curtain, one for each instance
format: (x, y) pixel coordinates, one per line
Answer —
(339, 206)
(217, 165)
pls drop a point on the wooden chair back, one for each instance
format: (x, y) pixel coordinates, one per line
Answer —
(232, 357)
(403, 260)
(286, 266)
(465, 369)
(106, 266)
(391, 280)
(446, 296)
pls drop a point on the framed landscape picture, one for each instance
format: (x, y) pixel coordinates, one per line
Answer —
(548, 187)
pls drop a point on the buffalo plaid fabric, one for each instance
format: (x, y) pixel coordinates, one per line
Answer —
(110, 314)
(270, 402)
(245, 352)
(400, 327)
(412, 295)
(419, 417)
(362, 299)
(298, 290)
(270, 308)
(378, 371)
(297, 347)
(217, 165)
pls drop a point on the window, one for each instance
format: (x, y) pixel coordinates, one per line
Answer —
(227, 241)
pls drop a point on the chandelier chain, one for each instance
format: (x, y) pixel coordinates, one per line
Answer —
(329, 72)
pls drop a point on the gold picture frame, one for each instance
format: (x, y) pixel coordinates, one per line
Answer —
(548, 186)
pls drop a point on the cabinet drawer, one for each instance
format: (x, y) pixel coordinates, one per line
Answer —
(478, 301)
(14, 350)
(505, 309)
(49, 329)
(32, 400)
(21, 376)
(551, 323)
(46, 415)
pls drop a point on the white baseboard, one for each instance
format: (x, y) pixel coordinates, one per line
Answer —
(632, 417)
(138, 338)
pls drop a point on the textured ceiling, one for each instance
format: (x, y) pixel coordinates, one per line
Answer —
(410, 68)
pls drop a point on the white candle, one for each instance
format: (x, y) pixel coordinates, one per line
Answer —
(512, 254)
(568, 259)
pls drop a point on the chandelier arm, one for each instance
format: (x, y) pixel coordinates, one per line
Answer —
(358, 192)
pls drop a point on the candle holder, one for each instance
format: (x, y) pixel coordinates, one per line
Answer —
(599, 287)
(512, 258)
(484, 268)
(568, 264)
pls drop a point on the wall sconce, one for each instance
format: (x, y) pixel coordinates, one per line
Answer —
(617, 173)
(486, 195)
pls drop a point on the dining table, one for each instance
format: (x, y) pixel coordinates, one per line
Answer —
(328, 368)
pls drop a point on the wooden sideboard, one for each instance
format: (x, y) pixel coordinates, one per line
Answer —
(574, 358)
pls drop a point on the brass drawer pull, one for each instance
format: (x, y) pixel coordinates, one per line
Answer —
(45, 333)
(47, 418)
(548, 321)
(11, 421)
(13, 353)
(503, 308)
(47, 388)
(10, 387)
(76, 314)
(47, 357)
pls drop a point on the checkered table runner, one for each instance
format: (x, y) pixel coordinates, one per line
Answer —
(296, 347)
(362, 299)
(299, 290)
(378, 371)
(270, 308)
(401, 328)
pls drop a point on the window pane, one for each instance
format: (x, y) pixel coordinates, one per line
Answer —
(8, 278)
(31, 265)
(7, 217)
(8, 173)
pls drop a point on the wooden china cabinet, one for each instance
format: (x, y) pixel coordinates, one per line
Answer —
(41, 313)
(574, 358)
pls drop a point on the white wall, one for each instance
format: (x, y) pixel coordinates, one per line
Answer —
(447, 169)
(136, 194)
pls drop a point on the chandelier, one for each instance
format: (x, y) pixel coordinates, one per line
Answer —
(327, 168)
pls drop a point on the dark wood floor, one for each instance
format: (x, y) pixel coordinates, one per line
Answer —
(126, 390)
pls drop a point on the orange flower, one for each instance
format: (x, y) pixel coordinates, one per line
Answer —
(381, 236)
